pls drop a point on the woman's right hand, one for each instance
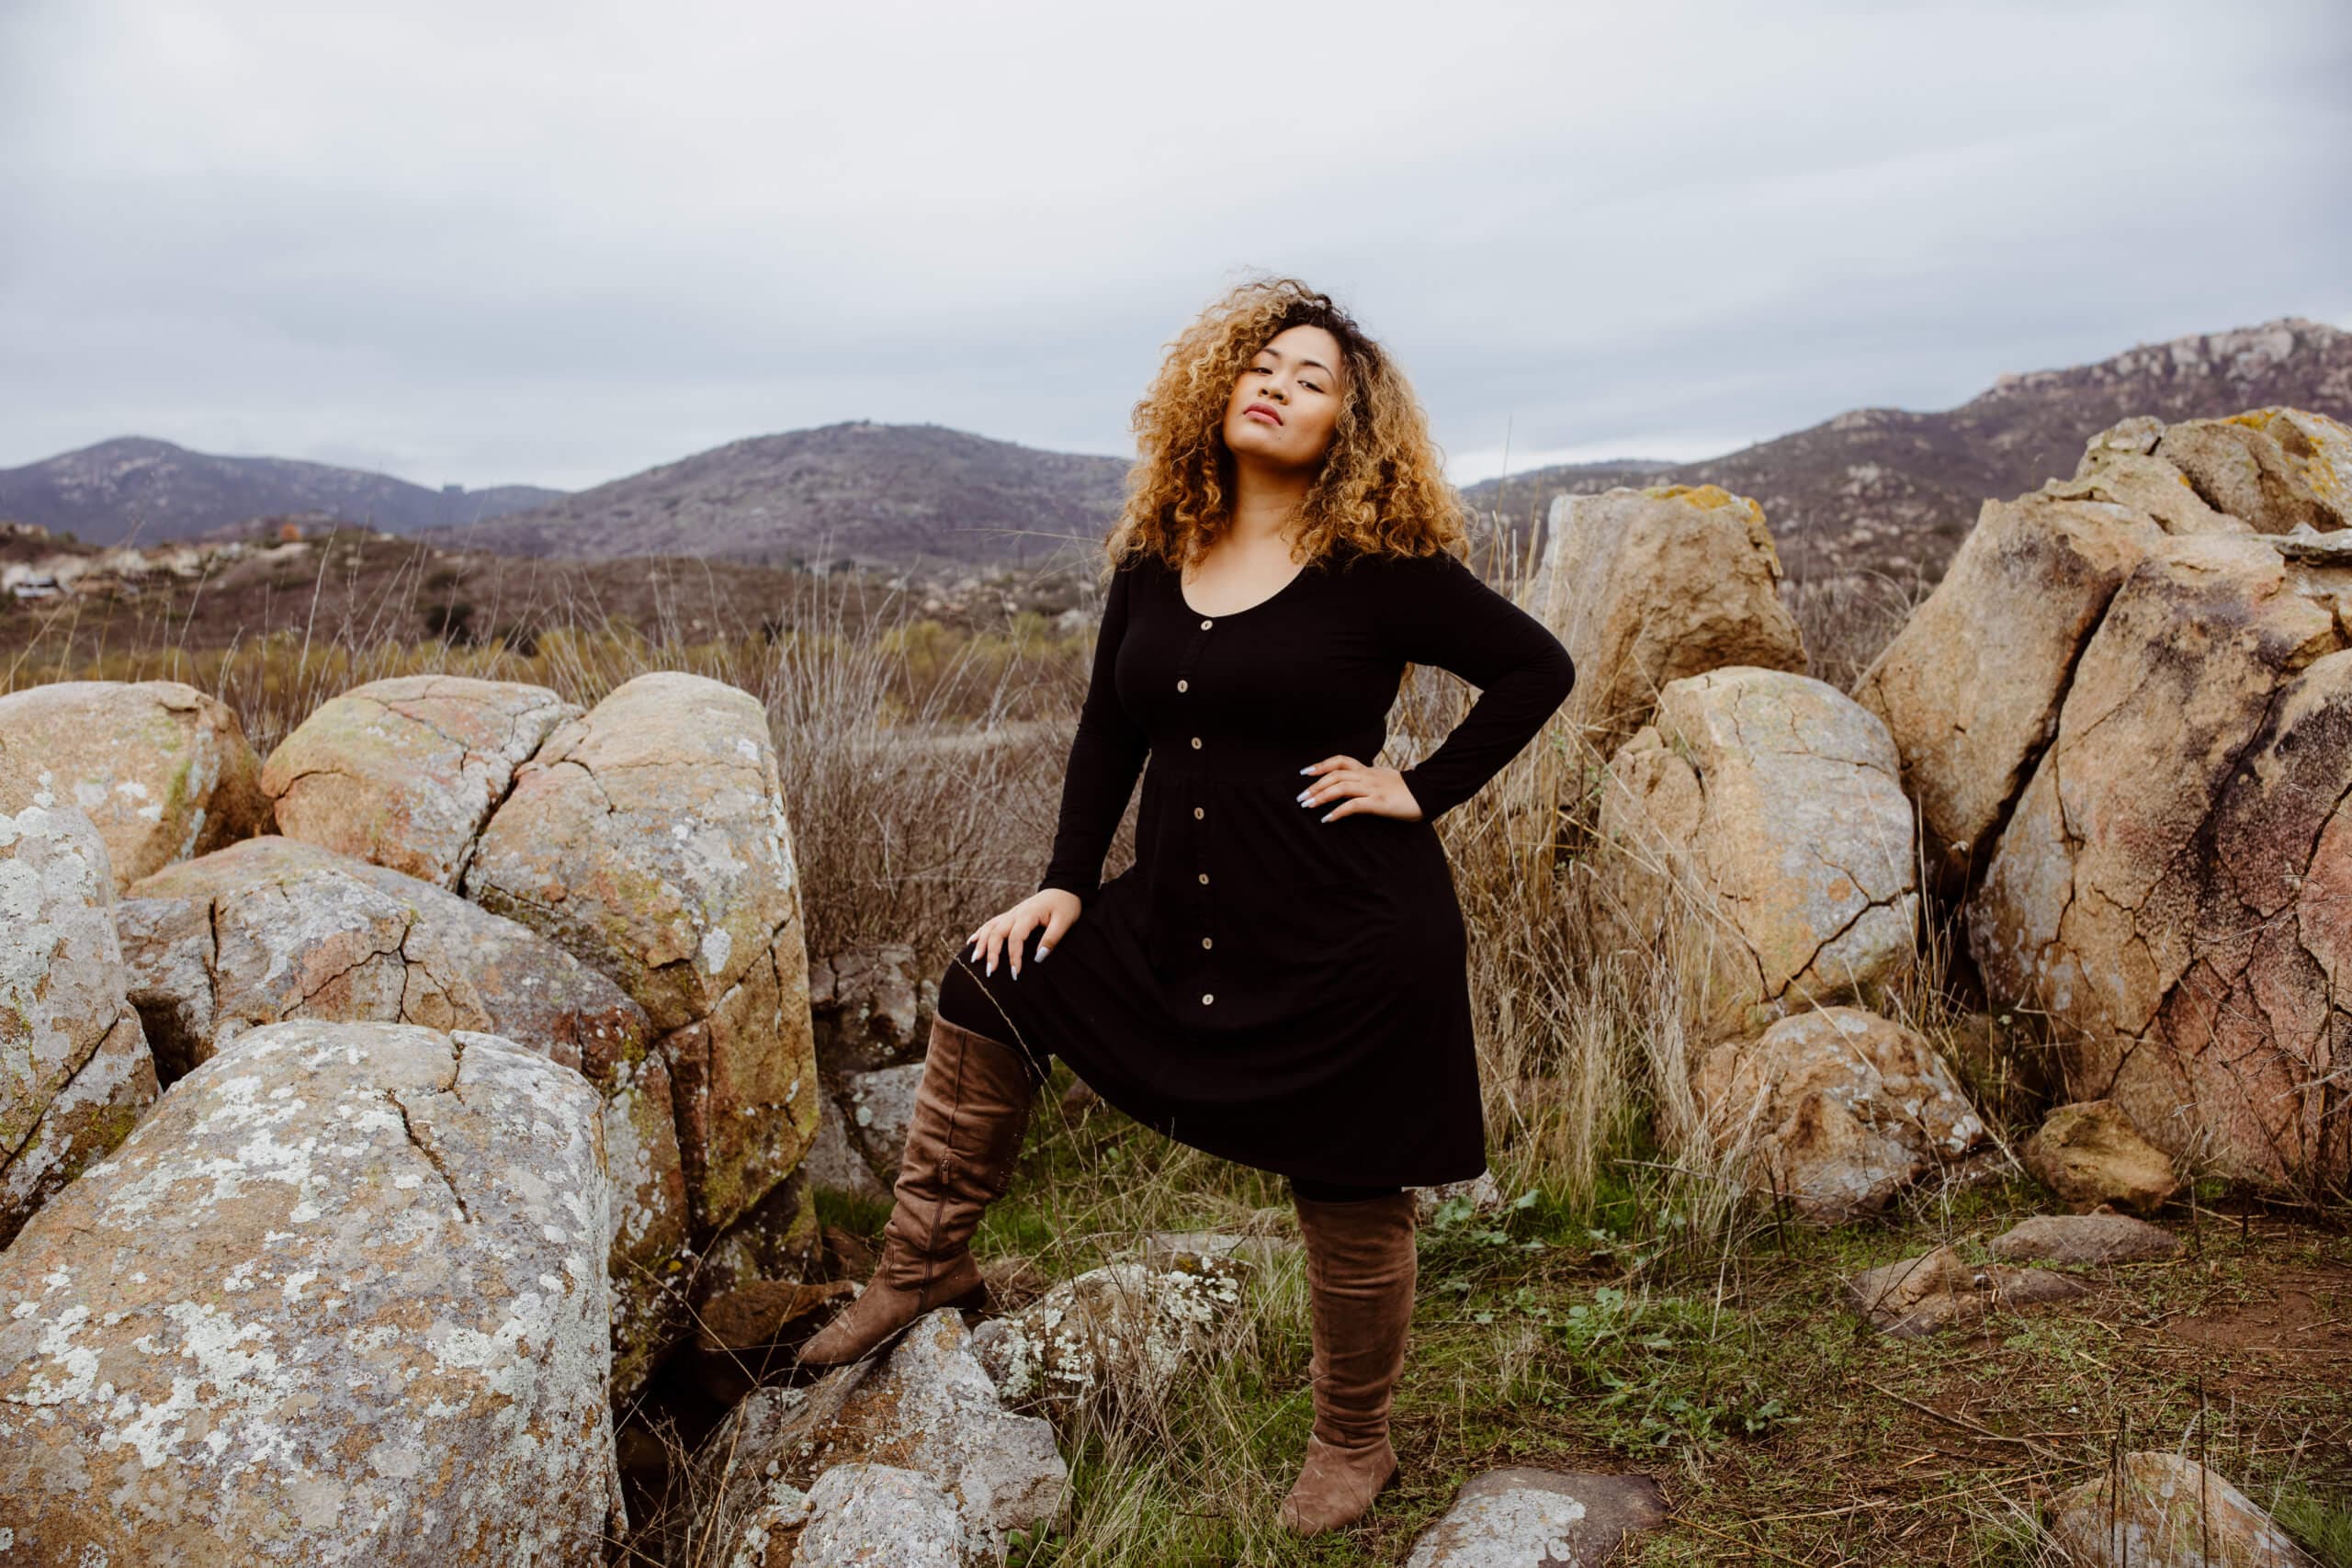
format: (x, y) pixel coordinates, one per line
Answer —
(1052, 907)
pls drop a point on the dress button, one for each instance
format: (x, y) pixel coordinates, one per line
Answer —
(1205, 942)
(1204, 625)
(1180, 685)
(1196, 742)
(1206, 998)
(1197, 812)
(1205, 876)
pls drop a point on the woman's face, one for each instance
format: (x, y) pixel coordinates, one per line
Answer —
(1285, 403)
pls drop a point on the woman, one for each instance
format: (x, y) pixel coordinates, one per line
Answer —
(1279, 978)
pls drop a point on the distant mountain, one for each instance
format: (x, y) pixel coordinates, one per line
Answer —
(150, 490)
(1892, 490)
(902, 494)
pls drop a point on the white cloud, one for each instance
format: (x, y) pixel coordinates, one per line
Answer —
(556, 243)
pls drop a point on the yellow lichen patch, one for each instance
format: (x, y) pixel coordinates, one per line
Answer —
(2252, 419)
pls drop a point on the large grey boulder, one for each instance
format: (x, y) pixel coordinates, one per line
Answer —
(648, 839)
(405, 773)
(75, 1071)
(859, 1516)
(271, 929)
(163, 770)
(340, 1299)
(1761, 818)
(1126, 1331)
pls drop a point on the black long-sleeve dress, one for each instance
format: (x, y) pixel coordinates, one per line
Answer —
(1259, 984)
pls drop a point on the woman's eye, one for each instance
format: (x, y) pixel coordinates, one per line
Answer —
(1310, 386)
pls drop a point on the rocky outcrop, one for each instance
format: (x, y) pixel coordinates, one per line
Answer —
(1539, 1518)
(2129, 710)
(75, 1071)
(161, 769)
(1126, 1332)
(340, 1299)
(405, 773)
(1644, 587)
(2163, 1510)
(2091, 1154)
(271, 929)
(926, 1406)
(1760, 818)
(1836, 1110)
(648, 839)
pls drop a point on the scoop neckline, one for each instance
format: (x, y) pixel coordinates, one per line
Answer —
(1176, 577)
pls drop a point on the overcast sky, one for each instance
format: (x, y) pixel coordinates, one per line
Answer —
(485, 242)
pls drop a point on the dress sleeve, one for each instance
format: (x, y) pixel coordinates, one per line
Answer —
(1105, 757)
(1440, 611)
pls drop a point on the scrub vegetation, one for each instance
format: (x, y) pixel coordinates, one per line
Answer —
(1628, 1308)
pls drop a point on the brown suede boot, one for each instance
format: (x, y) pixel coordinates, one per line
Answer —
(971, 1108)
(1361, 1268)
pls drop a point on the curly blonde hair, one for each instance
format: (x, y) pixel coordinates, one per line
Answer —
(1380, 488)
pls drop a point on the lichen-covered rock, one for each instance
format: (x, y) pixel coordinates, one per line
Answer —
(1125, 1331)
(340, 1298)
(868, 1006)
(2166, 890)
(270, 929)
(2084, 1238)
(776, 1238)
(648, 838)
(876, 1110)
(859, 1516)
(2276, 469)
(1936, 1291)
(1761, 818)
(1838, 1110)
(1539, 1518)
(404, 773)
(163, 770)
(2090, 1153)
(927, 1406)
(2163, 1510)
(75, 1071)
(834, 1163)
(1644, 587)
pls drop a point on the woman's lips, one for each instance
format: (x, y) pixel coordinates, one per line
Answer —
(1262, 409)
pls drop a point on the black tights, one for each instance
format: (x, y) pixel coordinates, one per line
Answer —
(962, 997)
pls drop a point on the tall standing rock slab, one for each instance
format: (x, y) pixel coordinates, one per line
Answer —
(1645, 587)
(405, 773)
(74, 1072)
(271, 929)
(340, 1299)
(2166, 887)
(649, 839)
(163, 770)
(1763, 813)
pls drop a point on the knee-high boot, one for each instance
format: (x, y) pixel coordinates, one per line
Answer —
(1360, 1268)
(970, 1109)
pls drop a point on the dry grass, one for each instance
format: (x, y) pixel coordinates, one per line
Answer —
(1635, 1307)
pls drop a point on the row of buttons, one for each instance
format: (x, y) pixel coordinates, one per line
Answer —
(1181, 684)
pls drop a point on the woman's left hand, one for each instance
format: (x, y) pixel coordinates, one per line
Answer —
(1380, 791)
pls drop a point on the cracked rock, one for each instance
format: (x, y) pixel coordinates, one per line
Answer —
(405, 773)
(1125, 1331)
(648, 839)
(270, 929)
(1644, 587)
(1760, 822)
(161, 770)
(75, 1071)
(264, 1330)
(1838, 1110)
